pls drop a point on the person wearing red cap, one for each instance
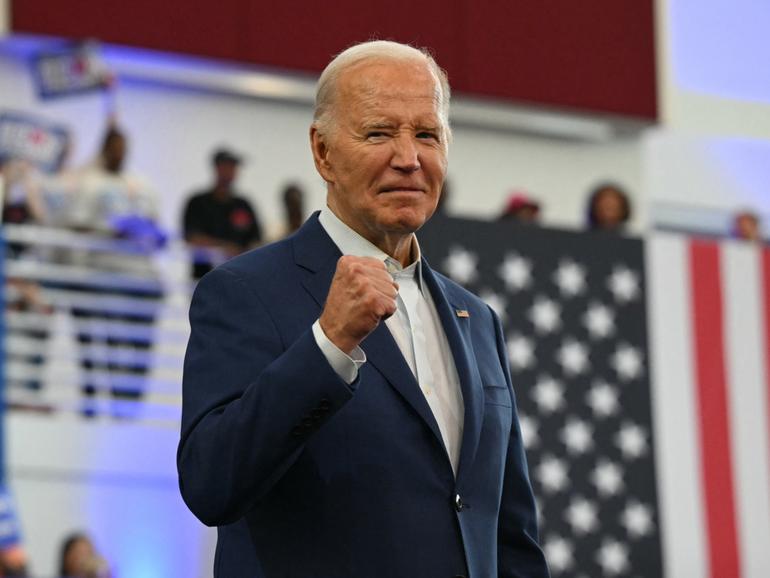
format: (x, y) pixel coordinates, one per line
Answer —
(521, 208)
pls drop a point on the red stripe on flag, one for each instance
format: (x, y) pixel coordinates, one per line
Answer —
(712, 399)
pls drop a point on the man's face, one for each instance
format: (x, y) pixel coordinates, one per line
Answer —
(226, 173)
(115, 153)
(385, 160)
(747, 227)
(609, 208)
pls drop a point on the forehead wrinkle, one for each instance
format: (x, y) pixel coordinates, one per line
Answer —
(364, 87)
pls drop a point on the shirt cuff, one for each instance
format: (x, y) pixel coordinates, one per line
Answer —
(345, 365)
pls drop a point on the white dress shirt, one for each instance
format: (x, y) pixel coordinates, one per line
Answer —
(416, 329)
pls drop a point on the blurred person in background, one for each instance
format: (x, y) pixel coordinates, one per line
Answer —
(293, 201)
(20, 195)
(608, 209)
(520, 208)
(747, 226)
(111, 203)
(78, 558)
(218, 220)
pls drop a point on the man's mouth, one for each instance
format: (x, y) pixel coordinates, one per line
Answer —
(401, 189)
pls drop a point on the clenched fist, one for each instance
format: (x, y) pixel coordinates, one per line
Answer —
(361, 295)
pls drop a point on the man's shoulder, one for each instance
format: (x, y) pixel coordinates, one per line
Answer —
(264, 261)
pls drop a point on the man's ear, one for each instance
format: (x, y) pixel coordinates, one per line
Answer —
(318, 144)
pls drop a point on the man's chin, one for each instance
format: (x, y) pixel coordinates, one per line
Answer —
(408, 220)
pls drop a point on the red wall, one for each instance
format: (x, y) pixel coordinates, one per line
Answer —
(595, 55)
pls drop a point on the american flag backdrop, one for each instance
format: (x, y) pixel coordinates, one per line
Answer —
(642, 372)
(573, 309)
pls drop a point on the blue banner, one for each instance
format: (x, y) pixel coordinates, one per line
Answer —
(33, 139)
(72, 69)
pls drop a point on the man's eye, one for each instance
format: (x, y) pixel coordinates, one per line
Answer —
(427, 135)
(376, 134)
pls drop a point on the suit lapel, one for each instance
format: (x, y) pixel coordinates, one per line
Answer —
(457, 330)
(315, 251)
(383, 353)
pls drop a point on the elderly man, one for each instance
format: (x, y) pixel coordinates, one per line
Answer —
(348, 412)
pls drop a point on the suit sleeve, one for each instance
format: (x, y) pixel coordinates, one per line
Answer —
(250, 401)
(519, 555)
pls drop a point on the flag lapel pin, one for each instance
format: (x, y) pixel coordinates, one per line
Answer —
(462, 313)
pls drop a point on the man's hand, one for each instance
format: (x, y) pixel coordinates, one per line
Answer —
(361, 295)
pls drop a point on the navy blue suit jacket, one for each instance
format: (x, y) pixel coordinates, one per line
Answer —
(307, 476)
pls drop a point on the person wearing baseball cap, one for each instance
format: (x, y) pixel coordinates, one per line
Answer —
(218, 223)
(520, 207)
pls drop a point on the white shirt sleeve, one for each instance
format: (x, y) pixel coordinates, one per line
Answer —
(346, 366)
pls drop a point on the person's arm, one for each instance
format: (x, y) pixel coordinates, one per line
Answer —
(250, 400)
(519, 555)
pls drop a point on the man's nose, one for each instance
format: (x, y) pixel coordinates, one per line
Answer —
(405, 155)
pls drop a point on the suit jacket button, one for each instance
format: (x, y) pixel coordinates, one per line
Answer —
(459, 503)
(297, 431)
(325, 404)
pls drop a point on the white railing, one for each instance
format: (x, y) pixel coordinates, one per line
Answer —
(94, 325)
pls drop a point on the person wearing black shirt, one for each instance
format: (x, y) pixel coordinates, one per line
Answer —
(218, 224)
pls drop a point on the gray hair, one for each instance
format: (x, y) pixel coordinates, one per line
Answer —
(324, 114)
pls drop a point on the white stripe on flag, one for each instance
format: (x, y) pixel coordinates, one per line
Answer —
(744, 348)
(674, 406)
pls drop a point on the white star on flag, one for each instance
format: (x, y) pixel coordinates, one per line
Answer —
(496, 302)
(545, 314)
(581, 514)
(627, 361)
(602, 398)
(461, 265)
(528, 431)
(577, 435)
(632, 440)
(516, 272)
(624, 284)
(599, 321)
(559, 553)
(520, 351)
(548, 394)
(573, 357)
(613, 557)
(637, 519)
(570, 277)
(552, 474)
(608, 478)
